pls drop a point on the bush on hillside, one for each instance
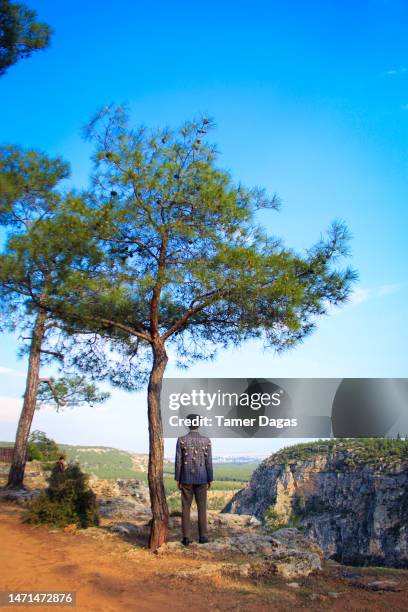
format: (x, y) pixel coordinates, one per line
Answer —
(369, 450)
(67, 500)
(42, 448)
(274, 521)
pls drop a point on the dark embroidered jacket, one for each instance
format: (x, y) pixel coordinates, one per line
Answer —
(193, 459)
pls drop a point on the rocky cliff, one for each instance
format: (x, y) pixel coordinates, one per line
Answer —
(350, 497)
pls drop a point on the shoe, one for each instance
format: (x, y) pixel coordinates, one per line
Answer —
(203, 540)
(185, 541)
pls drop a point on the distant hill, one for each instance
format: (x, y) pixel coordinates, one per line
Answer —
(112, 463)
(104, 461)
(367, 451)
(107, 462)
(250, 458)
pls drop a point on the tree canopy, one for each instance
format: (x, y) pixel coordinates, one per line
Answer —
(183, 258)
(20, 33)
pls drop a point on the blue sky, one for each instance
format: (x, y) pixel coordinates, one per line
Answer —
(310, 101)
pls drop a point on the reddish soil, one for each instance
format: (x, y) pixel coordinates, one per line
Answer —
(109, 574)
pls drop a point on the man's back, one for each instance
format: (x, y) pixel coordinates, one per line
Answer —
(193, 463)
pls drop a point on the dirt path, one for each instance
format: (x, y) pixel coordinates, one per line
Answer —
(109, 574)
(104, 573)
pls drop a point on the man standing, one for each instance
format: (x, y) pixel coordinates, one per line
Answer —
(194, 475)
(61, 463)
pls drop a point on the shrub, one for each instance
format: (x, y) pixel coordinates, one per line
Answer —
(68, 499)
(273, 520)
(299, 503)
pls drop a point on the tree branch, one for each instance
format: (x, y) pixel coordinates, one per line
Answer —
(53, 390)
(56, 354)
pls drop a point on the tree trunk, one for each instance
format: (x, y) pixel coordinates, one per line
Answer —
(160, 521)
(16, 474)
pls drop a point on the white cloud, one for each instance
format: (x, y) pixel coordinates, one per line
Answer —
(396, 71)
(359, 296)
(10, 408)
(390, 289)
(364, 294)
(11, 372)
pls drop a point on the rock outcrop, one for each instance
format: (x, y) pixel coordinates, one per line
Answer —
(35, 479)
(251, 551)
(34, 476)
(123, 498)
(351, 501)
(21, 497)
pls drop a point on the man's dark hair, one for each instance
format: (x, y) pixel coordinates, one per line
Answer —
(191, 417)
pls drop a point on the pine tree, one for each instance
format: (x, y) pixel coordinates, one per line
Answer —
(185, 265)
(31, 265)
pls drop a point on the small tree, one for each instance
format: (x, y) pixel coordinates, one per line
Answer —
(31, 265)
(184, 263)
(20, 33)
(67, 500)
(42, 448)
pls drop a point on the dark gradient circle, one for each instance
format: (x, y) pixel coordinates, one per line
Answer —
(368, 407)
